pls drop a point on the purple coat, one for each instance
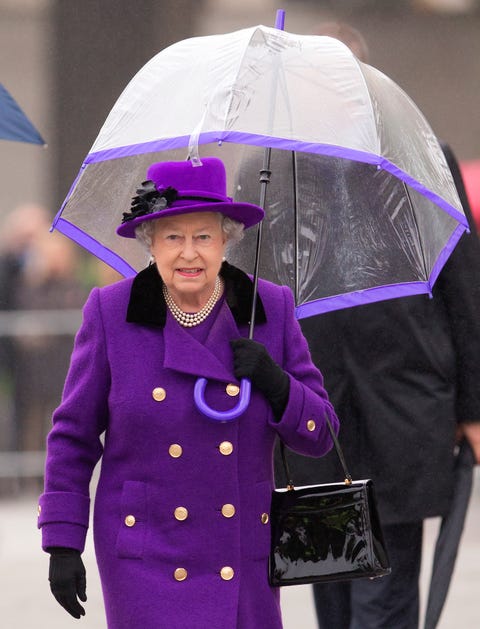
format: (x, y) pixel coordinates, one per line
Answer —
(181, 510)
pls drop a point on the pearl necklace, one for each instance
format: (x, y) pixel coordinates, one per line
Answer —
(190, 320)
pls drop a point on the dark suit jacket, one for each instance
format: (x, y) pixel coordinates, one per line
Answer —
(401, 374)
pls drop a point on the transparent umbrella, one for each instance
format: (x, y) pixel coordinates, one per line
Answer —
(382, 212)
(361, 202)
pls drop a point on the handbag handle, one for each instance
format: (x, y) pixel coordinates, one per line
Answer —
(348, 478)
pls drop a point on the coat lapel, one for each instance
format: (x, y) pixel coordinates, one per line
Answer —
(212, 360)
(183, 353)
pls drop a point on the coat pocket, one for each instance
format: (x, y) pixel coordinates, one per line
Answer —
(133, 524)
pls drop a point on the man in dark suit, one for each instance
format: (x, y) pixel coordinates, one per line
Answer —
(403, 376)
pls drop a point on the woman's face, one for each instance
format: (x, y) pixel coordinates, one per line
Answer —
(188, 250)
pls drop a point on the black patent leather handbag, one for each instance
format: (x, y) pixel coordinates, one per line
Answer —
(327, 532)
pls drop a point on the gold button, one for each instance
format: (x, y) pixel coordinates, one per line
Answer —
(226, 573)
(311, 425)
(159, 394)
(228, 511)
(130, 520)
(226, 448)
(180, 574)
(181, 513)
(175, 450)
(264, 518)
(39, 509)
(232, 390)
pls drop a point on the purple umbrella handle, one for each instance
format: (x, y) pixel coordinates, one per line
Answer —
(222, 416)
(245, 384)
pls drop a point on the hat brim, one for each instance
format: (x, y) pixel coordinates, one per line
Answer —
(245, 213)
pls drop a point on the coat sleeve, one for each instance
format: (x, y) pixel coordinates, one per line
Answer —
(303, 427)
(74, 445)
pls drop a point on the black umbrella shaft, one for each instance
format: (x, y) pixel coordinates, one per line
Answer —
(265, 174)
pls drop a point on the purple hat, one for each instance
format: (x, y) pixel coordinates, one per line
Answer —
(180, 188)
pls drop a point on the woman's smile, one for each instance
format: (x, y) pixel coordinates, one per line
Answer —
(190, 272)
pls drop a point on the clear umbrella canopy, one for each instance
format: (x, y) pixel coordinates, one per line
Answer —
(341, 233)
(361, 205)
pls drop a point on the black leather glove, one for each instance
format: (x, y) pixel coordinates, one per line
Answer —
(67, 579)
(251, 360)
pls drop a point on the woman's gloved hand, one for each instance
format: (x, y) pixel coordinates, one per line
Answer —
(251, 360)
(68, 579)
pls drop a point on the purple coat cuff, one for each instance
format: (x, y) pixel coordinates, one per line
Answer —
(66, 535)
(303, 427)
(63, 518)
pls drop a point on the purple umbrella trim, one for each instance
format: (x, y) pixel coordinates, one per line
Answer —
(360, 297)
(91, 244)
(305, 310)
(278, 143)
(379, 293)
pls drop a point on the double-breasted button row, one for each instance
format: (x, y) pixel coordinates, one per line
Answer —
(159, 393)
(175, 450)
(226, 573)
(311, 425)
(181, 514)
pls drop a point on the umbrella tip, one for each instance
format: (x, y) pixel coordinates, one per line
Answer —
(280, 20)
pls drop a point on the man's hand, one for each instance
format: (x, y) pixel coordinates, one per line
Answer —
(471, 431)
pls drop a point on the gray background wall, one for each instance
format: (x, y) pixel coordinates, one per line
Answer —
(66, 61)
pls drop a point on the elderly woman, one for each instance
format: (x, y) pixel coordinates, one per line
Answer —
(181, 520)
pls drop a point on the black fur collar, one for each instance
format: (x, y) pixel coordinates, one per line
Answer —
(147, 305)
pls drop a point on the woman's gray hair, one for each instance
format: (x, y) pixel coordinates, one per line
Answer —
(232, 229)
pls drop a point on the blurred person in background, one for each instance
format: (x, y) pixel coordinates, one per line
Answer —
(448, 7)
(49, 281)
(403, 376)
(21, 226)
(105, 274)
(38, 272)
